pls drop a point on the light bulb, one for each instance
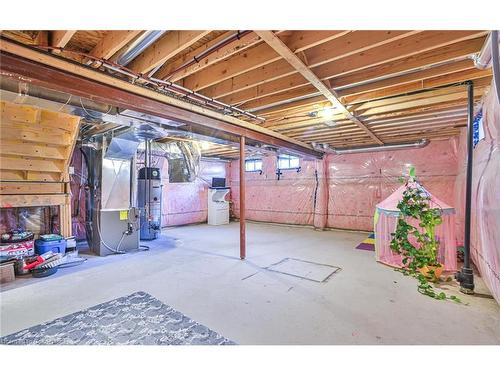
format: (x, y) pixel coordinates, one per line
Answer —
(327, 113)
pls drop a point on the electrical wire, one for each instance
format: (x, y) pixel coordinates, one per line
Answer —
(65, 104)
(99, 118)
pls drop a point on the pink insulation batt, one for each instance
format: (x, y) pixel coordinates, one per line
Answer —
(344, 189)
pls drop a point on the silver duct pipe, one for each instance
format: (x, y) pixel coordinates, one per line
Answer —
(324, 147)
(488, 56)
(482, 59)
(139, 45)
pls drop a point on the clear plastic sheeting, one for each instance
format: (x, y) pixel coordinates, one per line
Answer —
(357, 182)
(39, 220)
(385, 221)
(78, 183)
(184, 202)
(485, 215)
(341, 191)
(291, 199)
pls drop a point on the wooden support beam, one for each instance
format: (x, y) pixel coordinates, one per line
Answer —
(165, 48)
(112, 42)
(242, 200)
(293, 60)
(51, 72)
(59, 38)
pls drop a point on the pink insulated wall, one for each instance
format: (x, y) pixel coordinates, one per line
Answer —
(186, 202)
(485, 215)
(343, 189)
(357, 182)
(288, 200)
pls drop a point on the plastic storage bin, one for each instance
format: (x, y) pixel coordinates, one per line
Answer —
(54, 246)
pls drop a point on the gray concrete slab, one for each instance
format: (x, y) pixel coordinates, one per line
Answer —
(196, 270)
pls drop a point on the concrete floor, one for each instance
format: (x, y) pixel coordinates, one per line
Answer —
(196, 270)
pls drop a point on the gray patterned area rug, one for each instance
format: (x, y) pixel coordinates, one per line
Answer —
(137, 319)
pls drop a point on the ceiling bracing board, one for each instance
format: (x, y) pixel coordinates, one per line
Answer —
(272, 40)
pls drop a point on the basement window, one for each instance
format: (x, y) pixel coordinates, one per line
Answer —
(288, 161)
(253, 165)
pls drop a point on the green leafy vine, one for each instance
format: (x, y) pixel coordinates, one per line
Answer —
(419, 245)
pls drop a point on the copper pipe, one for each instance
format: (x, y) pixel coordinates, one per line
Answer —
(242, 199)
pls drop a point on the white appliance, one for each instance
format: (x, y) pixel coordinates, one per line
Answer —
(218, 206)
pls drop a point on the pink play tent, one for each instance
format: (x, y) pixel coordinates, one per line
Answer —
(385, 220)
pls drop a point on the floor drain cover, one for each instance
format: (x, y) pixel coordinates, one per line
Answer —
(304, 269)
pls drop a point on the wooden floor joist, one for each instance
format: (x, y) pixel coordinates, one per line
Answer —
(272, 40)
(373, 78)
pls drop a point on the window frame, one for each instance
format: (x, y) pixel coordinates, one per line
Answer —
(253, 160)
(289, 158)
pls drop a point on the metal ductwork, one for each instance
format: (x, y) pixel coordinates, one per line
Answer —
(489, 57)
(139, 45)
(124, 145)
(357, 150)
(483, 59)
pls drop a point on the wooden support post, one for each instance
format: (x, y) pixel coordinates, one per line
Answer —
(242, 199)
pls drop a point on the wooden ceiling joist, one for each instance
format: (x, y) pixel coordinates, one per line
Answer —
(251, 60)
(418, 43)
(238, 45)
(292, 59)
(462, 50)
(59, 38)
(385, 86)
(462, 76)
(343, 65)
(313, 55)
(421, 74)
(451, 52)
(165, 48)
(113, 42)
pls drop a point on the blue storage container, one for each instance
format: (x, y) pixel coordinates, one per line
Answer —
(54, 246)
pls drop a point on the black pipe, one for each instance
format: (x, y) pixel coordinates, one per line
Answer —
(466, 276)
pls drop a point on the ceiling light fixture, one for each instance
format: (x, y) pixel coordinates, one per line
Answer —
(327, 113)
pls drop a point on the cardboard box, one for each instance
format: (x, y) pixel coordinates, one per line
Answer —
(7, 272)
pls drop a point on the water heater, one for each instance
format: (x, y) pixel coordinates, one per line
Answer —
(149, 202)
